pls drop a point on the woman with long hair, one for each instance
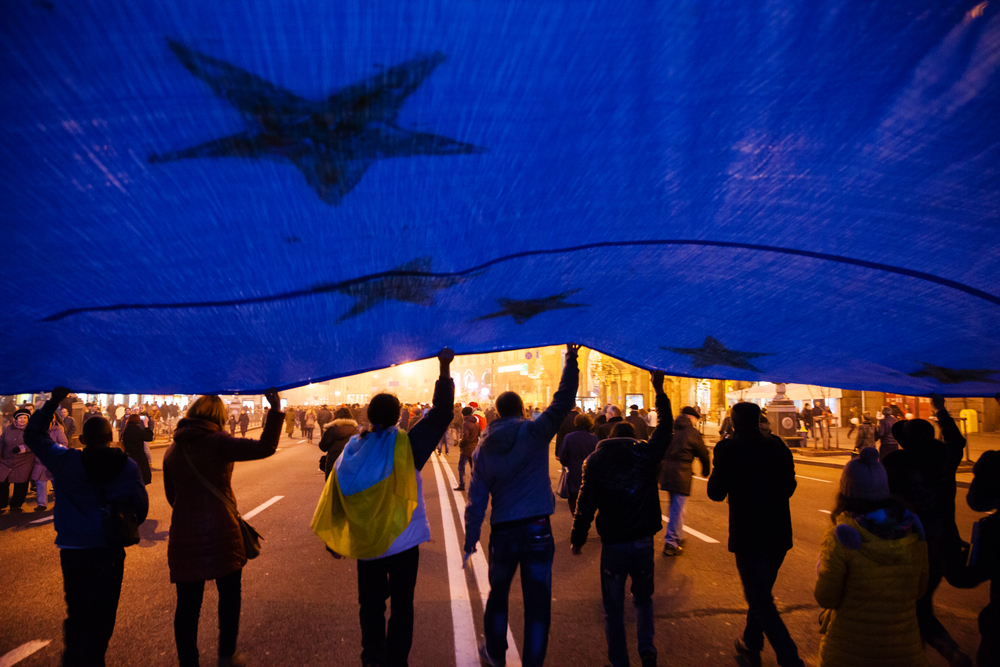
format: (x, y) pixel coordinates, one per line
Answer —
(206, 542)
(872, 570)
(134, 439)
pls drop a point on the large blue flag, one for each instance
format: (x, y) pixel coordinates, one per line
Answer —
(210, 197)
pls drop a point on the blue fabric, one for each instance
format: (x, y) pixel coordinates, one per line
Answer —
(366, 461)
(199, 197)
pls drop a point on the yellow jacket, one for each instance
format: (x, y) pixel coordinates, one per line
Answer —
(868, 588)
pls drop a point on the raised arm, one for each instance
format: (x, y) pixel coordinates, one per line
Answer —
(949, 429)
(664, 432)
(36, 433)
(548, 423)
(246, 449)
(425, 436)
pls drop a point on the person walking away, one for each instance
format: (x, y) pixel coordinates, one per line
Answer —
(289, 422)
(511, 471)
(855, 422)
(677, 473)
(134, 438)
(818, 419)
(619, 483)
(757, 474)
(39, 473)
(866, 433)
(309, 423)
(16, 462)
(567, 427)
(205, 541)
(244, 423)
(885, 435)
(577, 446)
(614, 415)
(323, 417)
(638, 423)
(372, 509)
(467, 445)
(92, 569)
(922, 473)
(872, 568)
(338, 433)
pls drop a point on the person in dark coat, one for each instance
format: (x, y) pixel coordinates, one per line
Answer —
(757, 474)
(619, 482)
(677, 472)
(205, 540)
(467, 445)
(244, 422)
(614, 416)
(133, 437)
(16, 462)
(577, 446)
(637, 421)
(922, 473)
(884, 434)
(568, 426)
(92, 569)
(335, 438)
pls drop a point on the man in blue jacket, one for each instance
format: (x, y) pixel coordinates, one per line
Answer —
(512, 466)
(92, 570)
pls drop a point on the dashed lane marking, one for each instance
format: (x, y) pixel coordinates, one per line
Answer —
(22, 652)
(480, 569)
(825, 511)
(825, 481)
(692, 531)
(704, 479)
(466, 649)
(44, 519)
(260, 508)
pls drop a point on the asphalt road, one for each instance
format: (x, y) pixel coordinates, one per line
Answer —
(300, 605)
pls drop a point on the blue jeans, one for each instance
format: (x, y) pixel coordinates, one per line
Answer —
(619, 561)
(531, 546)
(462, 461)
(676, 523)
(758, 572)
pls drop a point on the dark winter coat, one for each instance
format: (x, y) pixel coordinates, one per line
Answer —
(604, 431)
(244, 420)
(205, 538)
(889, 444)
(619, 483)
(577, 446)
(757, 474)
(16, 460)
(567, 427)
(78, 520)
(470, 436)
(639, 424)
(132, 439)
(334, 440)
(687, 443)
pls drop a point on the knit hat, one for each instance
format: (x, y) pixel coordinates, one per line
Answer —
(864, 478)
(18, 413)
(688, 410)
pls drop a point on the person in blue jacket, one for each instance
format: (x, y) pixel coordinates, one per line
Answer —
(92, 570)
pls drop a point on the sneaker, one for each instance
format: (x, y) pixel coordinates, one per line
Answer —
(41, 508)
(459, 488)
(485, 658)
(745, 657)
(670, 550)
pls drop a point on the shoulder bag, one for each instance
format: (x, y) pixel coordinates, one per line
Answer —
(121, 525)
(251, 538)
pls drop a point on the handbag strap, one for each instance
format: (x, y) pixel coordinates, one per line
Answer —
(208, 485)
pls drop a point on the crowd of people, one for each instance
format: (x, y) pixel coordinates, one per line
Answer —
(893, 537)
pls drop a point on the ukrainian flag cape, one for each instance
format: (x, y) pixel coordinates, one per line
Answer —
(369, 498)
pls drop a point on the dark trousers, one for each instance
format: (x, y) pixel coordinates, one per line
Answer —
(758, 572)
(391, 578)
(531, 547)
(20, 491)
(571, 498)
(463, 460)
(189, 596)
(92, 582)
(618, 562)
(943, 555)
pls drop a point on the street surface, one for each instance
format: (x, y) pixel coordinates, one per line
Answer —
(300, 605)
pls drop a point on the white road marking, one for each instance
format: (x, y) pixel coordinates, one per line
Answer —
(825, 481)
(260, 508)
(466, 648)
(482, 570)
(825, 511)
(44, 519)
(23, 651)
(700, 536)
(704, 479)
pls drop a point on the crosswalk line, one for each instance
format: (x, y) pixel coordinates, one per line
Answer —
(23, 651)
(481, 570)
(692, 531)
(466, 649)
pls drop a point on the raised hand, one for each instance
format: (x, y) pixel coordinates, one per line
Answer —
(59, 393)
(573, 348)
(273, 399)
(657, 378)
(938, 401)
(446, 355)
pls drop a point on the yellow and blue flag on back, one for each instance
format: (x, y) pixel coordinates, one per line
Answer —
(369, 498)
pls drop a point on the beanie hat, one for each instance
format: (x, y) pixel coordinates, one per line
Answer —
(22, 411)
(864, 478)
(688, 410)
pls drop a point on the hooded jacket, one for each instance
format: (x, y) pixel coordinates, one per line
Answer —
(686, 444)
(470, 436)
(619, 482)
(869, 587)
(205, 538)
(511, 465)
(78, 520)
(334, 440)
